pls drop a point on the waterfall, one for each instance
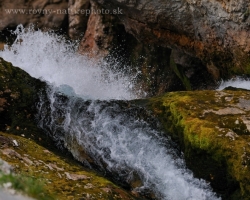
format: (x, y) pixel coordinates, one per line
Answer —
(119, 138)
(86, 111)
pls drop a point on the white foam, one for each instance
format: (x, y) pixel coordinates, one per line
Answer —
(236, 82)
(48, 56)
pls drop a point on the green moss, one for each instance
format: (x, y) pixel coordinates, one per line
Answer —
(20, 91)
(246, 14)
(215, 143)
(50, 169)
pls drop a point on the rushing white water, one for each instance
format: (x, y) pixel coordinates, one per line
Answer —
(112, 133)
(119, 140)
(50, 57)
(237, 83)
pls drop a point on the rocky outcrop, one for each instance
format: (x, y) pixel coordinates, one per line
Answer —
(42, 14)
(100, 34)
(197, 43)
(214, 32)
(212, 129)
(1, 46)
(177, 45)
(31, 151)
(20, 97)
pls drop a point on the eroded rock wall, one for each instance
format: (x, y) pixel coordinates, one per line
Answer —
(106, 37)
(216, 32)
(99, 36)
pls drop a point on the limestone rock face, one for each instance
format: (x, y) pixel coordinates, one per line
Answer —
(107, 38)
(44, 14)
(213, 31)
(99, 36)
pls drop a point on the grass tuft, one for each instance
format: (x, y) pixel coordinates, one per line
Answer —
(26, 185)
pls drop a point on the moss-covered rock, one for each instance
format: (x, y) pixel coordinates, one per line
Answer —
(62, 178)
(213, 130)
(19, 94)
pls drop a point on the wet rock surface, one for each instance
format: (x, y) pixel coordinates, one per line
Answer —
(105, 30)
(208, 40)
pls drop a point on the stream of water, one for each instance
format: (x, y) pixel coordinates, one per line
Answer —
(86, 111)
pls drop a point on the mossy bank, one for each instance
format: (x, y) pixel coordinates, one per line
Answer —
(60, 177)
(32, 153)
(213, 130)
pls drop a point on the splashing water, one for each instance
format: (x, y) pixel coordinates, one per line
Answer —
(111, 133)
(237, 83)
(50, 57)
(119, 138)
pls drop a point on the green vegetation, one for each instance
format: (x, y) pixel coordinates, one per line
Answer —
(180, 74)
(246, 14)
(27, 185)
